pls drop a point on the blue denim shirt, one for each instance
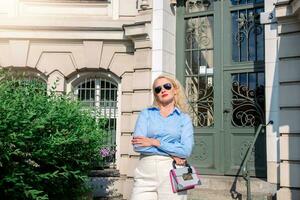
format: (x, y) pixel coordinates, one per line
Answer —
(175, 132)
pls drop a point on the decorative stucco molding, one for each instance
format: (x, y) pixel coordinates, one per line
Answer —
(139, 33)
(287, 9)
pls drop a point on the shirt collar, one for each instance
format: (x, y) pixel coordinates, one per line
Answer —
(176, 109)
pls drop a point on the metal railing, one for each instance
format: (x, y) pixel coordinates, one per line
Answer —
(245, 167)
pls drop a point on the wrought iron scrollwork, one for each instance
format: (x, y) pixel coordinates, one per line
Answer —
(247, 24)
(203, 106)
(198, 5)
(247, 106)
(197, 33)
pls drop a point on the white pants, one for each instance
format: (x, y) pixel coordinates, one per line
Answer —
(152, 180)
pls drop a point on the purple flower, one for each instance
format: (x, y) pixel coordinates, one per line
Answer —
(104, 152)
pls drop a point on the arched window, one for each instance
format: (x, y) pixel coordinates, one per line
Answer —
(100, 94)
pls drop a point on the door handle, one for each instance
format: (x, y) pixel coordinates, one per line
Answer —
(226, 110)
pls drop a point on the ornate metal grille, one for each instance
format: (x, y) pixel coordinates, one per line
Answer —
(248, 99)
(101, 95)
(199, 69)
(198, 5)
(247, 35)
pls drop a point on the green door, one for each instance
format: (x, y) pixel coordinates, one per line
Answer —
(220, 61)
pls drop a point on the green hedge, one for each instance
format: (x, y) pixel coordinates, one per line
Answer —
(48, 143)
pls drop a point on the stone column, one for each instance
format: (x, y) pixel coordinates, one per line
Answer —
(136, 93)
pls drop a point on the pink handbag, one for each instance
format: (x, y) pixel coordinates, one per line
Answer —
(184, 178)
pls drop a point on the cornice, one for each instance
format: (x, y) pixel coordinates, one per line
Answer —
(287, 9)
(60, 24)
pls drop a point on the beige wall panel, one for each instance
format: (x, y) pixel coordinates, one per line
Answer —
(141, 100)
(5, 55)
(142, 79)
(289, 70)
(143, 58)
(289, 175)
(127, 82)
(73, 50)
(121, 63)
(289, 46)
(126, 146)
(109, 49)
(143, 44)
(288, 194)
(39, 8)
(19, 52)
(139, 29)
(290, 147)
(79, 33)
(289, 27)
(128, 8)
(273, 172)
(124, 161)
(283, 11)
(289, 94)
(63, 62)
(127, 188)
(132, 165)
(126, 123)
(57, 80)
(128, 164)
(126, 103)
(289, 121)
(125, 143)
(93, 51)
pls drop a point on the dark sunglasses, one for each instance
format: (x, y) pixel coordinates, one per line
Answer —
(167, 86)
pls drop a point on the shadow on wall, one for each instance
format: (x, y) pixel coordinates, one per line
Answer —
(289, 108)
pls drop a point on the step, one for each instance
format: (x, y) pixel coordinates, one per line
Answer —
(230, 187)
(106, 184)
(209, 194)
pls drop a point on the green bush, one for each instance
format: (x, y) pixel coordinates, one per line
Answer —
(48, 143)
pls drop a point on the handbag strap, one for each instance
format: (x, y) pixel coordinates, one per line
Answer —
(186, 164)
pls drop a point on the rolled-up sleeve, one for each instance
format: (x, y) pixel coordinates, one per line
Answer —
(182, 149)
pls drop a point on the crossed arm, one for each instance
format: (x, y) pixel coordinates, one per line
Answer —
(179, 150)
(143, 141)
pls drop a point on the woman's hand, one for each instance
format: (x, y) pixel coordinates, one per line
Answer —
(145, 141)
(179, 161)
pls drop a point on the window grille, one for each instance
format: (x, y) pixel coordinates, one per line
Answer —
(100, 94)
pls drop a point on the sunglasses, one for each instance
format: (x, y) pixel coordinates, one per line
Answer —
(167, 86)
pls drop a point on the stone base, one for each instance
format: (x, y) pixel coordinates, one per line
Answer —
(227, 188)
(288, 194)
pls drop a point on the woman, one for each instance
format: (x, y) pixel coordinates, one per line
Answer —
(163, 133)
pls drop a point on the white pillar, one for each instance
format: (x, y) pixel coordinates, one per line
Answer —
(272, 92)
(163, 38)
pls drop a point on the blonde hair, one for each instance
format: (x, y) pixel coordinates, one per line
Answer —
(179, 98)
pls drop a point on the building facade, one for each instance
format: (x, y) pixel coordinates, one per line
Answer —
(284, 66)
(238, 60)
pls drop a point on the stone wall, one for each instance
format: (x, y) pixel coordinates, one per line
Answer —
(288, 14)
